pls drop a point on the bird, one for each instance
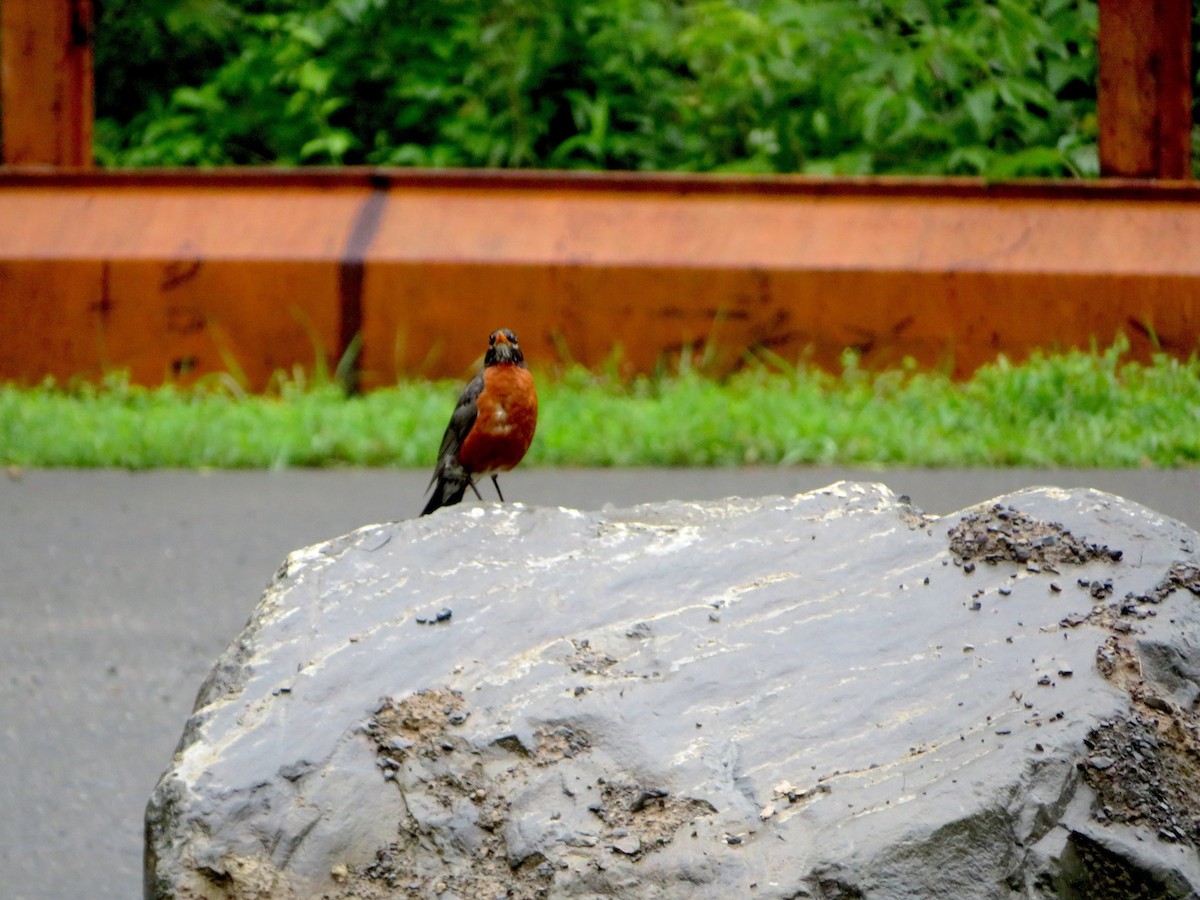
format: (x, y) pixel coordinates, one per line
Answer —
(492, 426)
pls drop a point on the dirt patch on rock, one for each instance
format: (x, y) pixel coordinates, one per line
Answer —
(639, 819)
(1004, 533)
(1145, 772)
(417, 724)
(558, 743)
(1094, 871)
(1120, 616)
(1144, 765)
(455, 838)
(588, 660)
(1181, 576)
(450, 842)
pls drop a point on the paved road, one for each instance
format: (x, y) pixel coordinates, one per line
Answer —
(118, 590)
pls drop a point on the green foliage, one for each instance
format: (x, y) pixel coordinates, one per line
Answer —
(821, 86)
(1075, 409)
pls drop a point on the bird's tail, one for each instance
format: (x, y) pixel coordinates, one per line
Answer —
(447, 492)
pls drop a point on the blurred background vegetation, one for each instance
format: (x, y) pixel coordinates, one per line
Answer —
(1076, 409)
(1001, 89)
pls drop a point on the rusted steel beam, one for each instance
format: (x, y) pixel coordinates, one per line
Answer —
(46, 82)
(1145, 92)
(172, 274)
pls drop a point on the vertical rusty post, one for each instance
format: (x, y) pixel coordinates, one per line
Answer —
(46, 103)
(1145, 102)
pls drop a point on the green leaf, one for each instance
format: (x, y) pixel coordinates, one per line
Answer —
(332, 146)
(981, 104)
(306, 34)
(1034, 161)
(313, 76)
(205, 99)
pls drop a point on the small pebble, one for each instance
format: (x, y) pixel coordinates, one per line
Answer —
(629, 845)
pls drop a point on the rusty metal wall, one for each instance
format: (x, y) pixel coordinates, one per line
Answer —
(46, 82)
(1144, 101)
(179, 274)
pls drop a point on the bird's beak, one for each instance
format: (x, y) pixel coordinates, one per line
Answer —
(501, 338)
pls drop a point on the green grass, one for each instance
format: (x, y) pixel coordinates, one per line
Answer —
(1075, 409)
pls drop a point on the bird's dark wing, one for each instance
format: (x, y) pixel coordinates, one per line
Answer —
(450, 477)
(461, 421)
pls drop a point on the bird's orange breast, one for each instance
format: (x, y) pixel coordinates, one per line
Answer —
(504, 424)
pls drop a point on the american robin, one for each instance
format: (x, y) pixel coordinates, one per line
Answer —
(491, 427)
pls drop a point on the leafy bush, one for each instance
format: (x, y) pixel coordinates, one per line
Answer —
(820, 86)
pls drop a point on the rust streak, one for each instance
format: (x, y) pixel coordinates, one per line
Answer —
(179, 272)
(351, 272)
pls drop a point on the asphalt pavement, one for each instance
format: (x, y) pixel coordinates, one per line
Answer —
(118, 591)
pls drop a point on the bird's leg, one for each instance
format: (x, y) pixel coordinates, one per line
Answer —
(471, 482)
(497, 484)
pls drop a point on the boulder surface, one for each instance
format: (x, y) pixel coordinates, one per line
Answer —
(829, 695)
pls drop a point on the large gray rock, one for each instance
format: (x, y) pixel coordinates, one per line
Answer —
(827, 695)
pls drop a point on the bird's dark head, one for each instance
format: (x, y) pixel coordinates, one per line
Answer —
(503, 349)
